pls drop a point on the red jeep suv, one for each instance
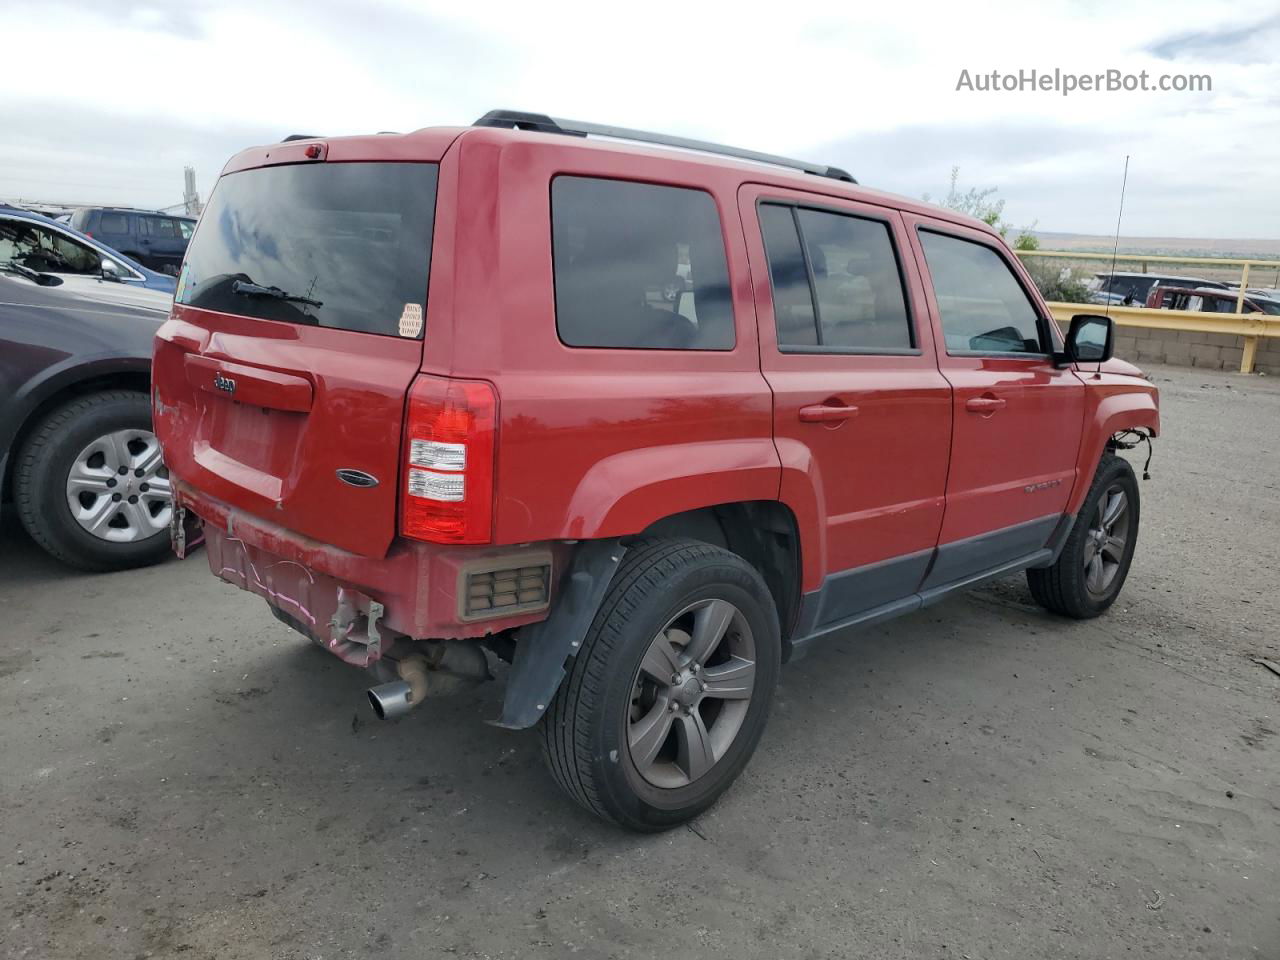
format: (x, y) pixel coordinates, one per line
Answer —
(642, 422)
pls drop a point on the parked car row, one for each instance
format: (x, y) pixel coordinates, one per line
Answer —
(1209, 300)
(1171, 292)
(1133, 289)
(157, 240)
(78, 459)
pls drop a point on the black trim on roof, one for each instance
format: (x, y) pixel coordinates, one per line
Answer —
(541, 123)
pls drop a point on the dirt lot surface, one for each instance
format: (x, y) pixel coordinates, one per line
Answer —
(184, 777)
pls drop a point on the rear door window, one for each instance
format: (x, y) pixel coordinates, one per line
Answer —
(162, 227)
(982, 305)
(792, 296)
(638, 266)
(113, 223)
(344, 245)
(839, 287)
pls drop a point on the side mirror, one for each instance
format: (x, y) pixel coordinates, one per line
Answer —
(111, 270)
(1090, 339)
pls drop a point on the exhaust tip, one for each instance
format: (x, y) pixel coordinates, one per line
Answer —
(391, 700)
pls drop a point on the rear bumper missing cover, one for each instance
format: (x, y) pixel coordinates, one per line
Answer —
(351, 605)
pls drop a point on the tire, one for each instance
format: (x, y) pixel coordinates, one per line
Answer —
(43, 475)
(660, 595)
(1068, 588)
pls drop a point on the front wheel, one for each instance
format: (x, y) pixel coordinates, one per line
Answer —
(1088, 574)
(667, 700)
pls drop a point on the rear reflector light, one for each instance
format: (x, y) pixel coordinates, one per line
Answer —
(506, 591)
(448, 460)
(504, 586)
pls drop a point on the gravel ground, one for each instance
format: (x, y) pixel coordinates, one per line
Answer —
(183, 776)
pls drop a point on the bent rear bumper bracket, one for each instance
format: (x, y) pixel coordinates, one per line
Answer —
(353, 632)
(543, 649)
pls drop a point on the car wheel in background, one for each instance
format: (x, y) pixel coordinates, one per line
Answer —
(91, 487)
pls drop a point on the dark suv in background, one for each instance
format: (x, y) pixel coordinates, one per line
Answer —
(156, 240)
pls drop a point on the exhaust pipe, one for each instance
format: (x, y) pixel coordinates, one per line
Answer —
(447, 667)
(391, 700)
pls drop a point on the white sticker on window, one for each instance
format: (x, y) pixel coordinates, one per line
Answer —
(411, 320)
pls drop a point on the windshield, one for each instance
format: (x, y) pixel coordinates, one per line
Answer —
(345, 245)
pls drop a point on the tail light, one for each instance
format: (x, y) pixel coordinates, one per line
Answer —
(447, 490)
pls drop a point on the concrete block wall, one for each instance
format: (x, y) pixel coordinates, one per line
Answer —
(1219, 351)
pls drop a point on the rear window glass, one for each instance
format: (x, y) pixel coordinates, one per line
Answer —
(345, 245)
(114, 223)
(639, 266)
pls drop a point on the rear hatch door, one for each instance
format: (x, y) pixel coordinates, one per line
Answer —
(297, 328)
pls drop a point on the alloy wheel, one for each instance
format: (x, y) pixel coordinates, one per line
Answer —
(1104, 545)
(691, 693)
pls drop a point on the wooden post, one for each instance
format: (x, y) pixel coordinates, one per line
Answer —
(1250, 351)
(1250, 343)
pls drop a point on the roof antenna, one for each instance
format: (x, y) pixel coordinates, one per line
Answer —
(1115, 249)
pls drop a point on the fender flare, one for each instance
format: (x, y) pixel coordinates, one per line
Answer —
(802, 492)
(626, 492)
(1114, 413)
(49, 382)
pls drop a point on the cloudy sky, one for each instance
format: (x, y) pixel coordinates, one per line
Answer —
(104, 102)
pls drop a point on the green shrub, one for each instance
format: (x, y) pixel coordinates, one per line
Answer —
(1055, 282)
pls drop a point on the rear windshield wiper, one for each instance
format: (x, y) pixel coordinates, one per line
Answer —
(251, 289)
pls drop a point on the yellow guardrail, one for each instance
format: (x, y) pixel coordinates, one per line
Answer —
(1250, 326)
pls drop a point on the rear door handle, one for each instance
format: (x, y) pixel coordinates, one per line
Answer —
(826, 413)
(983, 404)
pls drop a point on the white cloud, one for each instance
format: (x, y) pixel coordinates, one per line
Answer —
(106, 102)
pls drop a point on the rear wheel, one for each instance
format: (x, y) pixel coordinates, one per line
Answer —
(1093, 565)
(667, 700)
(91, 487)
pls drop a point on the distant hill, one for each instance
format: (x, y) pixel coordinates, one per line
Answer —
(1162, 246)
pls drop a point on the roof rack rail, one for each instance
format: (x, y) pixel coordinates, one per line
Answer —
(300, 136)
(541, 123)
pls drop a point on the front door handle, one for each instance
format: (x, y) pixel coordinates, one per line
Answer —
(826, 413)
(983, 404)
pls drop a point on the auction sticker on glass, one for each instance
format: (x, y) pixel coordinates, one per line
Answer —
(411, 320)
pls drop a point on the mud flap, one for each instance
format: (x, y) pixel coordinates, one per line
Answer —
(544, 649)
